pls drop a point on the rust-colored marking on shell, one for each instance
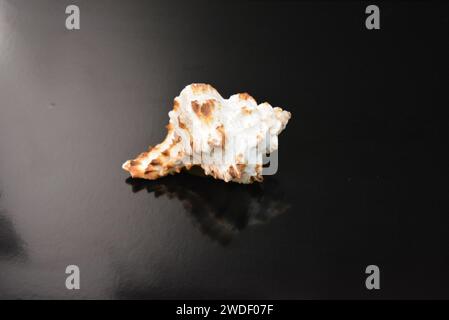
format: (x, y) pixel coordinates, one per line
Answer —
(246, 96)
(256, 178)
(234, 172)
(221, 130)
(207, 108)
(196, 107)
(156, 162)
(213, 173)
(204, 111)
(151, 175)
(246, 110)
(175, 104)
(182, 124)
(241, 166)
(199, 88)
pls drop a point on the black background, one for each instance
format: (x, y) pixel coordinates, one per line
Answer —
(362, 170)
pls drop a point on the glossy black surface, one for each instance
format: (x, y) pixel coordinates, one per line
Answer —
(363, 163)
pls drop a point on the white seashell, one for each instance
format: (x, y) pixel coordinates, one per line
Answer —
(226, 137)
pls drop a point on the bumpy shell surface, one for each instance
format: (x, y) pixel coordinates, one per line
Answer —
(226, 137)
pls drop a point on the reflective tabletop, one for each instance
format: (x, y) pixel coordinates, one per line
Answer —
(362, 177)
